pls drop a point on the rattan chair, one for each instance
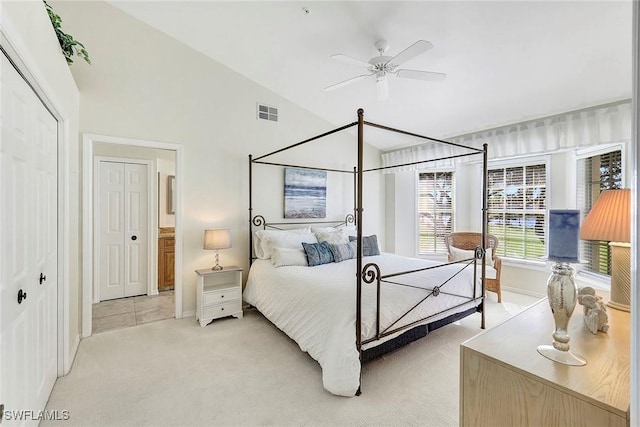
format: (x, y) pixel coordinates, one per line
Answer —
(471, 240)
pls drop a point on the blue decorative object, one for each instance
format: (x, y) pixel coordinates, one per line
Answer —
(564, 228)
(305, 193)
(318, 253)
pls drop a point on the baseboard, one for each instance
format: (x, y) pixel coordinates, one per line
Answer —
(523, 292)
(72, 355)
(190, 313)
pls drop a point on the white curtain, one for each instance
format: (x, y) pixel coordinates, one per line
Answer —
(593, 126)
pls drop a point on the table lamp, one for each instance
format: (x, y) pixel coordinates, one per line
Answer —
(216, 239)
(562, 292)
(610, 220)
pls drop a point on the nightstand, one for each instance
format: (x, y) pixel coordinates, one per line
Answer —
(219, 294)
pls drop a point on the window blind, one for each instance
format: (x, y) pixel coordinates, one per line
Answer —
(516, 204)
(596, 174)
(435, 210)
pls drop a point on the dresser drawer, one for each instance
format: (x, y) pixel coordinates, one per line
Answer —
(222, 310)
(215, 297)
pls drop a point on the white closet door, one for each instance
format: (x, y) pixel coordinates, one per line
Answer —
(136, 217)
(28, 248)
(123, 218)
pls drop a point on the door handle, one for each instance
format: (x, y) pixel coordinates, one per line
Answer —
(21, 296)
(43, 278)
(134, 237)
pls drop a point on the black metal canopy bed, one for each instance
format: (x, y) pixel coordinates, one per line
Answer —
(302, 278)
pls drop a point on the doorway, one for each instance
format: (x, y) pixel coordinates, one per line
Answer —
(122, 224)
(98, 148)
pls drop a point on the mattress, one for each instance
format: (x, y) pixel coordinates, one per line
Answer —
(316, 306)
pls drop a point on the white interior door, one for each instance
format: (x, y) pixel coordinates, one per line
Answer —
(123, 223)
(28, 249)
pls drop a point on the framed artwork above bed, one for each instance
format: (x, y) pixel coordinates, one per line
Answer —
(305, 193)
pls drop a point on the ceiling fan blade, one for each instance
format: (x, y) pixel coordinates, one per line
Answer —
(350, 60)
(421, 46)
(429, 76)
(347, 82)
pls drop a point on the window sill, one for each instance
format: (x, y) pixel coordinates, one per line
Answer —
(525, 263)
(598, 281)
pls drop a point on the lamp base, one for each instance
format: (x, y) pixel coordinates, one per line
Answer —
(564, 357)
(217, 266)
(620, 276)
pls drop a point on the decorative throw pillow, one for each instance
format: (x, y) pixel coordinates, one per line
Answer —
(281, 257)
(460, 254)
(317, 253)
(343, 251)
(369, 245)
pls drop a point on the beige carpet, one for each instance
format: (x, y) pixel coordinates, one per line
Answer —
(245, 372)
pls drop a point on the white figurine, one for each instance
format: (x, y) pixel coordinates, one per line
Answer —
(595, 311)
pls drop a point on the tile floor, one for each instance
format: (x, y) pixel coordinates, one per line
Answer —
(125, 312)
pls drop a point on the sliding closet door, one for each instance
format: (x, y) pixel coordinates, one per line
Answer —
(28, 249)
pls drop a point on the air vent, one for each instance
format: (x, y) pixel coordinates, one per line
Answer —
(265, 112)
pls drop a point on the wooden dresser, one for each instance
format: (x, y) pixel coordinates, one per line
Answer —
(505, 382)
(166, 262)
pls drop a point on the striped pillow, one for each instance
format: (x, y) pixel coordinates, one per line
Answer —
(343, 251)
(369, 245)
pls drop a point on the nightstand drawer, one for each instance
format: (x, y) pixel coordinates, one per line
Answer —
(222, 310)
(222, 278)
(221, 296)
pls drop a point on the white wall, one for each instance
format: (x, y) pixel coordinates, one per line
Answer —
(145, 85)
(27, 26)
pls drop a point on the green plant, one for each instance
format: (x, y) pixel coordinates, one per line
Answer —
(69, 45)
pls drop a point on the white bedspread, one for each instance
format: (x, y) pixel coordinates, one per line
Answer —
(315, 306)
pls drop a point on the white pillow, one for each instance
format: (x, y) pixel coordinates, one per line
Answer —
(293, 239)
(333, 236)
(460, 254)
(344, 231)
(285, 256)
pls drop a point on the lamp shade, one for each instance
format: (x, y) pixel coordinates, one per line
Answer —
(609, 218)
(217, 238)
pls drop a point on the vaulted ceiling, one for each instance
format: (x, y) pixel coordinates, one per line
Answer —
(506, 61)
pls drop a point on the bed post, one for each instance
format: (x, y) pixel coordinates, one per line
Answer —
(485, 179)
(355, 191)
(359, 240)
(250, 211)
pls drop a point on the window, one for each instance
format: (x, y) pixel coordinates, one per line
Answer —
(435, 210)
(596, 174)
(517, 201)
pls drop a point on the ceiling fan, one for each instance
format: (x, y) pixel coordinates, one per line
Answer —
(382, 66)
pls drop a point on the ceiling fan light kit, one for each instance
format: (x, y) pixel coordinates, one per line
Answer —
(381, 66)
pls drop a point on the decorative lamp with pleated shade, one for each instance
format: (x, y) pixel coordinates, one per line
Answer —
(216, 239)
(610, 220)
